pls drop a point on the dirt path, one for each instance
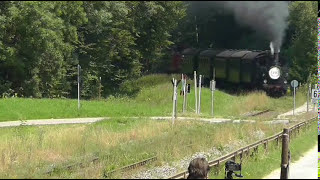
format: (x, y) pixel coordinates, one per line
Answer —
(299, 110)
(305, 168)
(51, 121)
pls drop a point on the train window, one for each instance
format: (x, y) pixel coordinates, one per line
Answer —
(220, 68)
(234, 70)
(187, 64)
(246, 70)
(204, 66)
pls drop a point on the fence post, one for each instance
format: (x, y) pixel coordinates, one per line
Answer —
(285, 155)
(218, 168)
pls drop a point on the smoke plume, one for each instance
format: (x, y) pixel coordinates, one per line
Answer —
(269, 18)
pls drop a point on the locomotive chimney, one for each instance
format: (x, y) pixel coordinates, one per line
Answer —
(276, 58)
(275, 53)
(271, 48)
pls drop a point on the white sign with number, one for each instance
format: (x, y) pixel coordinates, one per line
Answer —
(314, 94)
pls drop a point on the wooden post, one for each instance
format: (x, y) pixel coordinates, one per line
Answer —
(265, 144)
(199, 104)
(218, 168)
(285, 155)
(195, 90)
(234, 157)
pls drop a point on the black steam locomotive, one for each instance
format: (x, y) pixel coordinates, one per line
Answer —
(240, 69)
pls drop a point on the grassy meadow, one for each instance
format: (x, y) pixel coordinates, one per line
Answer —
(148, 96)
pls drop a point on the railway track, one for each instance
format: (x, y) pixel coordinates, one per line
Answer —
(70, 167)
(256, 113)
(130, 167)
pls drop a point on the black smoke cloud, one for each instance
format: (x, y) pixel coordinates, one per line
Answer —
(268, 18)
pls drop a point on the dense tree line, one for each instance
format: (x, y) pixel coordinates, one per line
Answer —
(41, 43)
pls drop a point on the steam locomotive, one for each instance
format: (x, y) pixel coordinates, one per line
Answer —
(242, 69)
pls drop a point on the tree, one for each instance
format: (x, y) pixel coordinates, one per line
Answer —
(108, 47)
(153, 24)
(37, 44)
(302, 50)
(41, 44)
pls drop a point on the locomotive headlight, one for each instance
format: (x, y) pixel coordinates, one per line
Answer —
(274, 73)
(285, 82)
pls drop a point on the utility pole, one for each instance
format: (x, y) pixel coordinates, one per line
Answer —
(79, 68)
(184, 84)
(199, 105)
(294, 99)
(174, 105)
(212, 88)
(197, 34)
(308, 96)
(195, 90)
(99, 88)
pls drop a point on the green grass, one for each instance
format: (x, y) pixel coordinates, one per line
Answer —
(318, 165)
(263, 163)
(28, 151)
(150, 96)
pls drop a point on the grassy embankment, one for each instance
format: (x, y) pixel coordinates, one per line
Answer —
(264, 162)
(28, 151)
(153, 98)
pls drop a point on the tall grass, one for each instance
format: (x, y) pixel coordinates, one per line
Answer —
(153, 97)
(28, 151)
